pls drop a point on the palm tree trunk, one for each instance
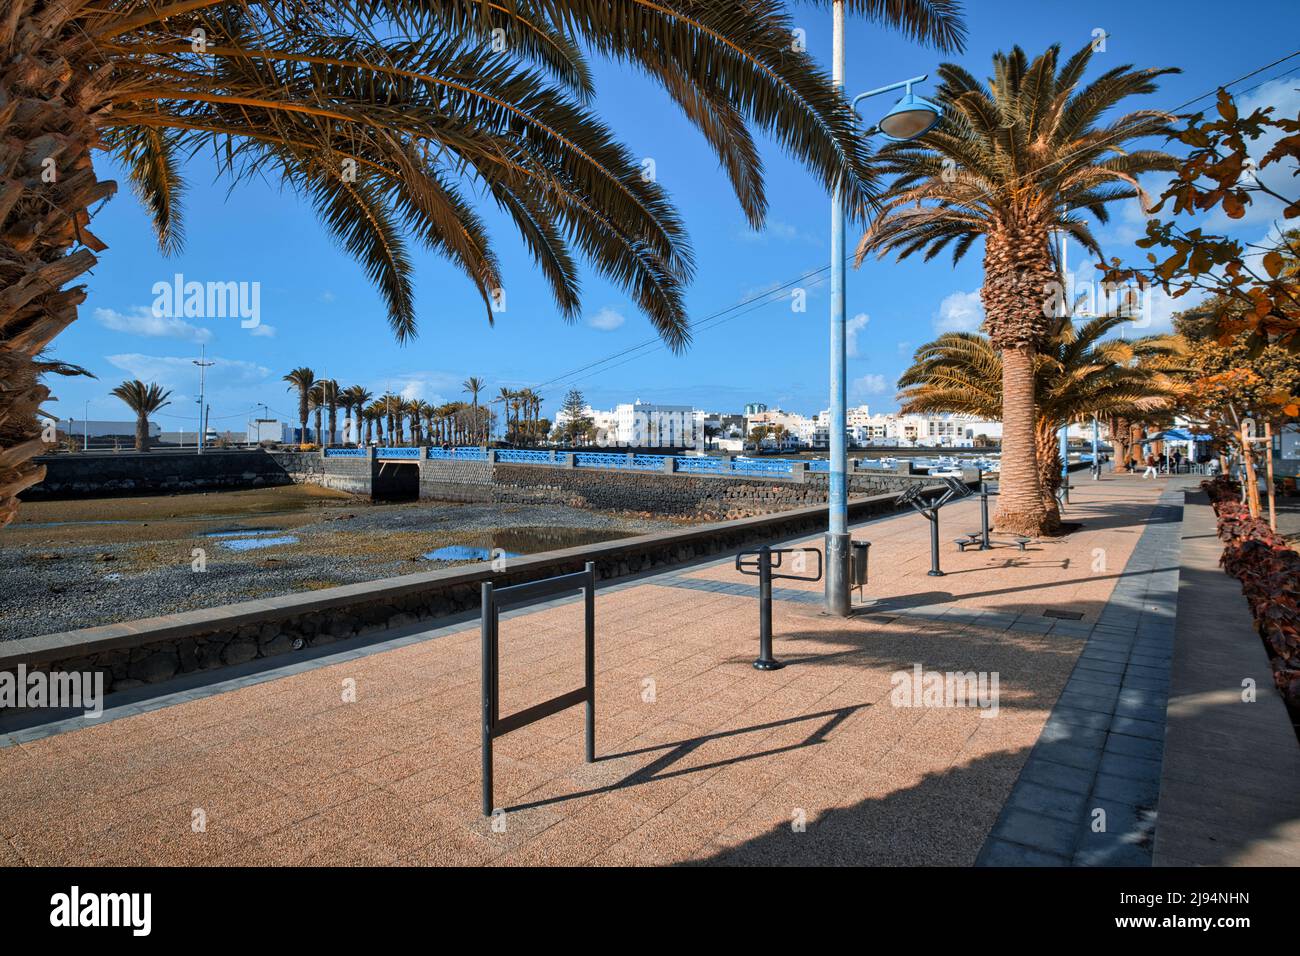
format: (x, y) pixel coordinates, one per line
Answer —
(1049, 470)
(1020, 493)
(48, 123)
(141, 432)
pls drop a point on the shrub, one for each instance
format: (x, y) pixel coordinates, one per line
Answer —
(1269, 571)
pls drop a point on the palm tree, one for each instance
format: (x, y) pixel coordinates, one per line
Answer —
(374, 113)
(505, 396)
(354, 399)
(144, 400)
(329, 389)
(1012, 163)
(379, 414)
(316, 397)
(303, 379)
(474, 385)
(1078, 373)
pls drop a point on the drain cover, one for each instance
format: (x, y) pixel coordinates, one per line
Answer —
(1063, 615)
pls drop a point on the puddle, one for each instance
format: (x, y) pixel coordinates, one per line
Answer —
(516, 542)
(464, 552)
(251, 539)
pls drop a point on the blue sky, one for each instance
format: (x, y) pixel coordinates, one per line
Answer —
(318, 309)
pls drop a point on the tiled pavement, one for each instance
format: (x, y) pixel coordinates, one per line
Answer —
(1088, 792)
(702, 759)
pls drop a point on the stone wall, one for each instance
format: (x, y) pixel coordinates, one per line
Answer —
(677, 495)
(157, 472)
(468, 481)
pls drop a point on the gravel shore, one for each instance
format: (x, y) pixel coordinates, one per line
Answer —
(68, 565)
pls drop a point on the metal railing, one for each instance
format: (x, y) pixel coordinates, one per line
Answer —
(521, 596)
(402, 452)
(345, 453)
(521, 456)
(461, 453)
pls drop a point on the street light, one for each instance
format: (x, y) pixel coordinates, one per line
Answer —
(909, 118)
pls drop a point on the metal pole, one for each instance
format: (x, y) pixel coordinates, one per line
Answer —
(1096, 436)
(1065, 463)
(984, 515)
(590, 676)
(488, 688)
(934, 572)
(765, 662)
(838, 599)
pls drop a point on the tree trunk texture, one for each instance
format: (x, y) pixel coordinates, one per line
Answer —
(48, 103)
(1018, 279)
(142, 432)
(1048, 444)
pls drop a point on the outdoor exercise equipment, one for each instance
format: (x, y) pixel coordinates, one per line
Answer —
(761, 563)
(957, 488)
(981, 538)
(520, 596)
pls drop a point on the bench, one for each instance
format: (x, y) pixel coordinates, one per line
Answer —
(976, 537)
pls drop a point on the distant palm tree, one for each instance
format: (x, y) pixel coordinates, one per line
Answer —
(505, 396)
(1078, 373)
(1013, 162)
(303, 379)
(474, 385)
(144, 400)
(317, 399)
(330, 399)
(379, 414)
(354, 399)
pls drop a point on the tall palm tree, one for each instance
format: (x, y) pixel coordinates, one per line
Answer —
(1078, 373)
(474, 386)
(374, 112)
(1012, 162)
(144, 400)
(379, 414)
(354, 399)
(316, 397)
(505, 396)
(329, 389)
(303, 379)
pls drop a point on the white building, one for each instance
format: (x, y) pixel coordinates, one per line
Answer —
(646, 425)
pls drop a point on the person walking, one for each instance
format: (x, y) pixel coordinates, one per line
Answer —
(1178, 461)
(1151, 471)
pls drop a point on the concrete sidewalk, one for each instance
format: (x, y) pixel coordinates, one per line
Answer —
(372, 755)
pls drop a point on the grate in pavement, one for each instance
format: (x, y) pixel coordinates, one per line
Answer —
(1063, 615)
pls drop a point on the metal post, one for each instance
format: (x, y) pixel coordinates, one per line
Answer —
(838, 599)
(589, 596)
(1096, 462)
(934, 543)
(489, 684)
(984, 516)
(766, 662)
(1065, 463)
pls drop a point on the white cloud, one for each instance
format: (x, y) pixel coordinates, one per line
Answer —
(870, 385)
(779, 230)
(607, 320)
(262, 330)
(327, 296)
(434, 387)
(173, 371)
(960, 312)
(852, 328)
(141, 321)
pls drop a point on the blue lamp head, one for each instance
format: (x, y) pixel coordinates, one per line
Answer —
(910, 117)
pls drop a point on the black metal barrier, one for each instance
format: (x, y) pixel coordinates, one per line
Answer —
(957, 488)
(762, 566)
(524, 595)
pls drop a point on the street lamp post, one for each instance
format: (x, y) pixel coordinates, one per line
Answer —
(910, 117)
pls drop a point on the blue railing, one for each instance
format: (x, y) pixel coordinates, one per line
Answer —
(412, 453)
(819, 464)
(600, 459)
(520, 456)
(345, 453)
(691, 465)
(463, 453)
(762, 466)
(649, 462)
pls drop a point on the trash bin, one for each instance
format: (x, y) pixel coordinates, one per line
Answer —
(859, 554)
